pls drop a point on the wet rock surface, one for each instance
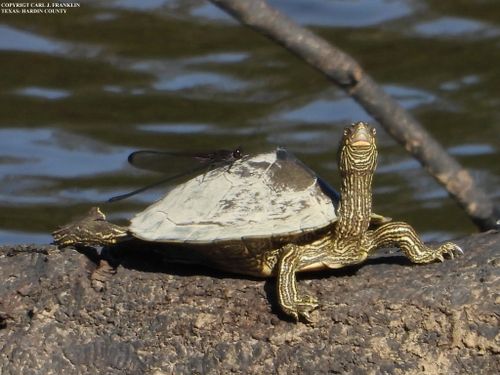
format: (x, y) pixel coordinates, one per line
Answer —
(386, 316)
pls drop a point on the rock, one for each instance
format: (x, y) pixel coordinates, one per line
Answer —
(385, 316)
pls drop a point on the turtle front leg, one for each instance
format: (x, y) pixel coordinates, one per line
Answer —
(403, 236)
(91, 230)
(290, 301)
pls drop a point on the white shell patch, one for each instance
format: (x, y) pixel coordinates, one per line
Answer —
(254, 197)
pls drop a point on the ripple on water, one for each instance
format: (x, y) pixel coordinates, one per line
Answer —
(450, 27)
(219, 58)
(472, 149)
(199, 79)
(345, 109)
(143, 5)
(312, 141)
(12, 39)
(455, 85)
(185, 74)
(184, 128)
(409, 97)
(325, 111)
(43, 92)
(194, 128)
(340, 13)
(52, 153)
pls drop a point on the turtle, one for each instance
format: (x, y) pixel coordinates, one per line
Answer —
(269, 215)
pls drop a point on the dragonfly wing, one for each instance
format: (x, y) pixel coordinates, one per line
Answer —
(157, 183)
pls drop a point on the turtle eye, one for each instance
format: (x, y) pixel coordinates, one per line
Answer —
(374, 131)
(347, 131)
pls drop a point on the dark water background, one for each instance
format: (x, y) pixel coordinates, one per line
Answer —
(80, 91)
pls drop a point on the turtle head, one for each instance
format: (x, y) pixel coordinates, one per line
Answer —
(358, 150)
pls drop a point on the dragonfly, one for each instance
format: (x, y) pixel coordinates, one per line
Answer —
(161, 160)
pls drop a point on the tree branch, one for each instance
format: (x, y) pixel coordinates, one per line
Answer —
(343, 70)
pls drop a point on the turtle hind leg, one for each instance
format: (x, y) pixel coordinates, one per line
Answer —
(403, 236)
(91, 230)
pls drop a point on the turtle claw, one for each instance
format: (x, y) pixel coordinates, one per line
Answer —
(304, 307)
(448, 249)
(451, 249)
(428, 254)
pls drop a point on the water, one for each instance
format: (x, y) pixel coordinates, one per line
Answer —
(80, 91)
